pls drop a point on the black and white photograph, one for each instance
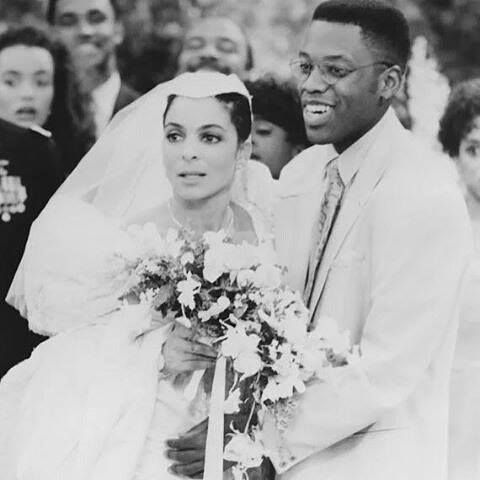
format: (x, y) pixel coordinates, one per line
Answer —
(239, 239)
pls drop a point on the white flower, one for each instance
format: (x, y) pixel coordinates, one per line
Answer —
(173, 244)
(232, 403)
(269, 318)
(214, 239)
(292, 328)
(187, 257)
(244, 277)
(267, 276)
(241, 257)
(279, 387)
(223, 303)
(188, 288)
(237, 341)
(216, 309)
(148, 296)
(244, 450)
(285, 362)
(214, 262)
(247, 363)
(327, 331)
(312, 359)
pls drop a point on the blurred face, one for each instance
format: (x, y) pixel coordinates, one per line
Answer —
(89, 29)
(271, 145)
(468, 161)
(200, 148)
(26, 85)
(214, 44)
(343, 112)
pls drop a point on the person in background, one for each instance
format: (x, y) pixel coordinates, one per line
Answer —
(29, 175)
(459, 135)
(92, 30)
(39, 87)
(278, 132)
(216, 43)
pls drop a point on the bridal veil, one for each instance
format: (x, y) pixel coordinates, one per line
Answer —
(123, 174)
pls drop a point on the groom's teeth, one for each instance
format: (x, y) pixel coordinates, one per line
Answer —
(317, 109)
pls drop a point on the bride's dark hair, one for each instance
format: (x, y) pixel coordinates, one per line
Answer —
(239, 108)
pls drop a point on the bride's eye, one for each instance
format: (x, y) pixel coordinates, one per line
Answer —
(173, 137)
(210, 138)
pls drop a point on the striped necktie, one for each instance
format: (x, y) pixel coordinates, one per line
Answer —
(328, 212)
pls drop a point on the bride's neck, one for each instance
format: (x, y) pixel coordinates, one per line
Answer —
(201, 215)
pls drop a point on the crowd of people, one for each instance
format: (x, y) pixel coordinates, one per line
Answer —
(392, 272)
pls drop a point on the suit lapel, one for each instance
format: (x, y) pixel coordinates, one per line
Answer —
(367, 178)
(300, 190)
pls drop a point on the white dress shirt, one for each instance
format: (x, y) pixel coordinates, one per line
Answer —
(104, 98)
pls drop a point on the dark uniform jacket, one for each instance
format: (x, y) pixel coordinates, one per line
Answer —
(29, 159)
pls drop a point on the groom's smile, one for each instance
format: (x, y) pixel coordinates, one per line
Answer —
(316, 114)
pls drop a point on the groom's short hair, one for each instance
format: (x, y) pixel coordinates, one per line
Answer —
(384, 27)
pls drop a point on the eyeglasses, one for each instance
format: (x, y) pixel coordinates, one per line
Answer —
(331, 73)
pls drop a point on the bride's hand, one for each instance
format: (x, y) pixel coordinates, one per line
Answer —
(182, 354)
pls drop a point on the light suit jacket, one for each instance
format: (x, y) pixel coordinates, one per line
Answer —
(391, 274)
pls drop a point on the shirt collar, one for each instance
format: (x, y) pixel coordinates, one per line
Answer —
(107, 88)
(306, 171)
(104, 98)
(350, 161)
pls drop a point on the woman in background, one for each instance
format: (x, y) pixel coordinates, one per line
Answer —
(278, 132)
(39, 88)
(460, 137)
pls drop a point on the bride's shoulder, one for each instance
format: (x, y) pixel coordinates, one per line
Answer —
(158, 215)
(67, 216)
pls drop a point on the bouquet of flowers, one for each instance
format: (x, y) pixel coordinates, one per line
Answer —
(233, 295)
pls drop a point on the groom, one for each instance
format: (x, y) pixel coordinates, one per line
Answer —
(381, 246)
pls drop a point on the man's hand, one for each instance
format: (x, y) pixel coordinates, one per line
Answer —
(183, 354)
(188, 451)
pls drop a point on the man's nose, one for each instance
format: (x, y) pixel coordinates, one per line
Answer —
(209, 51)
(85, 28)
(315, 82)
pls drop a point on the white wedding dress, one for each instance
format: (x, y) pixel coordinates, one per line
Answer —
(90, 403)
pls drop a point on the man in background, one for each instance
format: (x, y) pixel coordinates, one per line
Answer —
(215, 43)
(92, 30)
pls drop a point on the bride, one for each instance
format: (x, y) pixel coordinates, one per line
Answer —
(99, 398)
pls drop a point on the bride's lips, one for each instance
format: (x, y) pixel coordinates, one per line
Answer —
(191, 177)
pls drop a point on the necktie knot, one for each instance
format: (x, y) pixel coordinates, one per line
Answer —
(333, 173)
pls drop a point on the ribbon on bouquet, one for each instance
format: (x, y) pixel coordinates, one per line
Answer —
(213, 469)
